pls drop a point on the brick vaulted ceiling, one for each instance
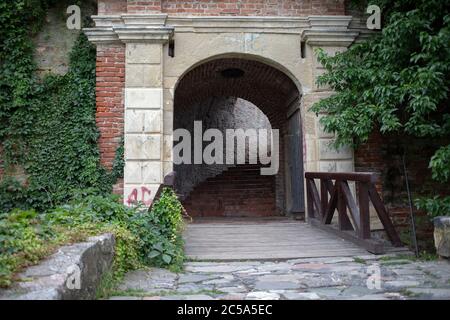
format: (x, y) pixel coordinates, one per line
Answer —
(266, 87)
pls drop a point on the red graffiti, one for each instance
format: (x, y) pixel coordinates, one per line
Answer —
(134, 195)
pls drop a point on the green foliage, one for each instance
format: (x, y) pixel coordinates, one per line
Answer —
(436, 206)
(119, 161)
(396, 82)
(440, 164)
(47, 127)
(163, 244)
(26, 236)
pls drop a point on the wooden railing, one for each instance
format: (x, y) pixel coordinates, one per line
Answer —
(353, 216)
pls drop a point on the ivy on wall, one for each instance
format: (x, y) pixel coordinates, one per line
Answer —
(47, 126)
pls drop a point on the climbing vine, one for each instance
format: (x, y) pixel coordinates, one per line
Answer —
(48, 132)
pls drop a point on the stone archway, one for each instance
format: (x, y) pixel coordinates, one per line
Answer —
(278, 98)
(141, 58)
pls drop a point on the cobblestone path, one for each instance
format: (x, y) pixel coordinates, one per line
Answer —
(364, 277)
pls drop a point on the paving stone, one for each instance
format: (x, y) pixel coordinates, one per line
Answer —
(238, 289)
(367, 297)
(283, 277)
(149, 280)
(433, 293)
(401, 284)
(305, 279)
(194, 287)
(301, 296)
(276, 285)
(357, 291)
(280, 266)
(408, 271)
(125, 298)
(233, 296)
(186, 278)
(262, 295)
(188, 297)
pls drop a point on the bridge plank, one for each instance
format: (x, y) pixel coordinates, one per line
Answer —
(250, 239)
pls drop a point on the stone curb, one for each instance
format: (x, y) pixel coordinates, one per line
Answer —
(72, 273)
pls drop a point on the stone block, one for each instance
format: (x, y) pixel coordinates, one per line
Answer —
(168, 147)
(74, 272)
(134, 121)
(327, 166)
(168, 99)
(152, 121)
(442, 236)
(344, 166)
(168, 122)
(142, 147)
(328, 152)
(133, 172)
(138, 121)
(151, 172)
(149, 53)
(167, 167)
(143, 76)
(143, 98)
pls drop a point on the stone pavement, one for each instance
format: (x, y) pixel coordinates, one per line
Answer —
(366, 277)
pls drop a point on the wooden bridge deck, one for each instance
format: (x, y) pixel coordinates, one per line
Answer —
(262, 239)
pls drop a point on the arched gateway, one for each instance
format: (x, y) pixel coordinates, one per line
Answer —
(154, 62)
(242, 191)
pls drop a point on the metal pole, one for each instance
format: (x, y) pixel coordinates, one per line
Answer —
(413, 221)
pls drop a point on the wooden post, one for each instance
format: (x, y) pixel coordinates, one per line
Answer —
(344, 221)
(364, 214)
(323, 197)
(309, 199)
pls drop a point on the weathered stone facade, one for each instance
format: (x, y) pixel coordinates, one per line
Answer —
(166, 42)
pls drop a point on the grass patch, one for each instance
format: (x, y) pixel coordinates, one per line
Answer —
(423, 256)
(359, 260)
(408, 293)
(162, 293)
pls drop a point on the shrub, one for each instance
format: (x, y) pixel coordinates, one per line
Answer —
(159, 232)
(142, 237)
(436, 206)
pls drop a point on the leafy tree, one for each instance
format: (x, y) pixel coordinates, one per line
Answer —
(396, 82)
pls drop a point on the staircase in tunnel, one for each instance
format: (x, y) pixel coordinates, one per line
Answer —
(240, 191)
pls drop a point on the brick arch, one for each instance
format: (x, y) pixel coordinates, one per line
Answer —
(265, 86)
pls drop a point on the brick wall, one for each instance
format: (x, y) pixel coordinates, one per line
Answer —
(110, 93)
(384, 156)
(107, 7)
(239, 7)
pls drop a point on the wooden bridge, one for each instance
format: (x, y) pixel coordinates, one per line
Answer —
(277, 238)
